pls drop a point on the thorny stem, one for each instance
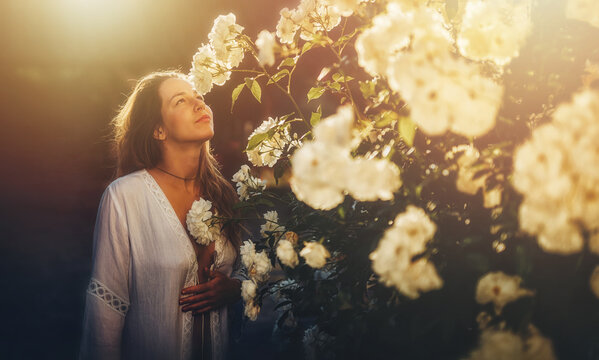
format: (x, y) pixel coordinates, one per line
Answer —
(248, 71)
(286, 91)
(338, 55)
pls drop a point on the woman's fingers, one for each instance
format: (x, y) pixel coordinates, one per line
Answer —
(196, 289)
(198, 305)
(195, 298)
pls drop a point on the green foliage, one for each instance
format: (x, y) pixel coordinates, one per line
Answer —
(407, 130)
(254, 87)
(278, 76)
(235, 94)
(315, 117)
(315, 93)
(345, 298)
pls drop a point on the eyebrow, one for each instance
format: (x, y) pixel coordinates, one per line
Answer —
(183, 93)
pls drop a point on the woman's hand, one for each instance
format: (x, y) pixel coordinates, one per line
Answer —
(219, 290)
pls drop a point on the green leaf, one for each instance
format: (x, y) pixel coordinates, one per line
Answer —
(235, 94)
(315, 93)
(341, 212)
(346, 37)
(283, 303)
(256, 140)
(278, 76)
(407, 130)
(254, 87)
(307, 46)
(286, 116)
(340, 78)
(335, 86)
(386, 118)
(263, 201)
(315, 117)
(367, 88)
(287, 62)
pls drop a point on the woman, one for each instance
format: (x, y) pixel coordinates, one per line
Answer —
(146, 298)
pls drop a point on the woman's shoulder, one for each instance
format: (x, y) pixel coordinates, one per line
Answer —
(127, 184)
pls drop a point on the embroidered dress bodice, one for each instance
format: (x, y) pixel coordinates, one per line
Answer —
(142, 258)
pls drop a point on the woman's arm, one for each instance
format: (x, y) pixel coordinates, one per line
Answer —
(107, 298)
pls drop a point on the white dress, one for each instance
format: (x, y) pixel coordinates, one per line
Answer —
(142, 258)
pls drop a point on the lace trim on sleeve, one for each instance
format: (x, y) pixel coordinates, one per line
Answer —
(108, 297)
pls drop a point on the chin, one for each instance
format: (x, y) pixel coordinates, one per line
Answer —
(208, 137)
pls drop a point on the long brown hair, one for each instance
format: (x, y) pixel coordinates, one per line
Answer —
(135, 147)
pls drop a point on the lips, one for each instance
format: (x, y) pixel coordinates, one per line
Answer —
(204, 118)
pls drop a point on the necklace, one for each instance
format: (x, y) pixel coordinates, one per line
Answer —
(178, 177)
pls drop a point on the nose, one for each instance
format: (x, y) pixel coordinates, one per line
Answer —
(199, 104)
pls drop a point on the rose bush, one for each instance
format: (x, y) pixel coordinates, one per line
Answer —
(439, 179)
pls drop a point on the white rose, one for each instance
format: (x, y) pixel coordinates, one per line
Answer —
(271, 225)
(494, 30)
(266, 44)
(199, 222)
(223, 40)
(500, 289)
(261, 267)
(248, 290)
(315, 254)
(286, 253)
(248, 253)
(251, 310)
(286, 27)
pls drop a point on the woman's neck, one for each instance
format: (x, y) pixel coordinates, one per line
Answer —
(182, 162)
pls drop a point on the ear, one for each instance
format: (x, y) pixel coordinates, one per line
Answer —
(159, 133)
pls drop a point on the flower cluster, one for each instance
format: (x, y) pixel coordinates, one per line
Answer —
(504, 344)
(469, 181)
(266, 44)
(315, 254)
(286, 250)
(494, 30)
(309, 18)
(584, 10)
(560, 188)
(443, 92)
(258, 267)
(275, 139)
(201, 224)
(346, 7)
(500, 289)
(271, 227)
(247, 185)
(433, 77)
(323, 170)
(212, 63)
(392, 259)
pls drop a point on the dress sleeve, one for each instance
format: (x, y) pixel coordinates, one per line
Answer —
(107, 297)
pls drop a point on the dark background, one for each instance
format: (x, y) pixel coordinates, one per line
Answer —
(65, 67)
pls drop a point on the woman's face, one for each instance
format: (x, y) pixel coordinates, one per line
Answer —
(185, 116)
